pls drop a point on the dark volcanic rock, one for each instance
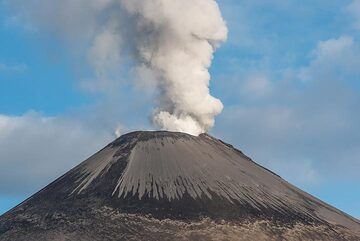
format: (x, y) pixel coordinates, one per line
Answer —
(173, 186)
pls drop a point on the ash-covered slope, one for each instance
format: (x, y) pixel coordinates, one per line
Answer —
(173, 186)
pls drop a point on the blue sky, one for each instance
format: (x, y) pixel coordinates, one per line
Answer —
(288, 76)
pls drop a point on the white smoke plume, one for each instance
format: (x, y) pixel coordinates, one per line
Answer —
(176, 40)
(172, 40)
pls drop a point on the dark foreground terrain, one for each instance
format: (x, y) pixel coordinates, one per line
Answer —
(173, 186)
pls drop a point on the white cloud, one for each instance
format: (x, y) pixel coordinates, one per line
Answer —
(307, 125)
(35, 150)
(336, 58)
(68, 19)
(300, 171)
(354, 9)
(333, 48)
(257, 85)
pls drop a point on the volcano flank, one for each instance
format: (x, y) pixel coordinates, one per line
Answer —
(173, 186)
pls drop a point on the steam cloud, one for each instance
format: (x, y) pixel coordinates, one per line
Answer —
(176, 40)
(171, 42)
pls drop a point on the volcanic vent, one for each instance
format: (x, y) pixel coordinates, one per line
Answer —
(173, 186)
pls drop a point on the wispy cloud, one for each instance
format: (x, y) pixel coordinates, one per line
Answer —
(301, 120)
(292, 88)
(13, 68)
(354, 9)
(35, 149)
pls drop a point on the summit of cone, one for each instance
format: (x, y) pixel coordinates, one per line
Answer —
(175, 177)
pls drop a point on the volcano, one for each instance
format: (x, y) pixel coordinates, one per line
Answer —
(173, 186)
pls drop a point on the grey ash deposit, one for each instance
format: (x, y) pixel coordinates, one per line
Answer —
(173, 186)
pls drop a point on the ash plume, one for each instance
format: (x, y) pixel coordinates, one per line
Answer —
(172, 42)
